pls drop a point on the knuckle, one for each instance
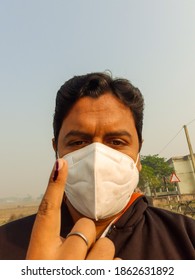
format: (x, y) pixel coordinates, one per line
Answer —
(45, 207)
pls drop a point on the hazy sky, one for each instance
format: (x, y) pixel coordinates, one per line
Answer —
(45, 42)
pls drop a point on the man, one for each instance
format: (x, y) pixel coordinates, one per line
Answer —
(97, 139)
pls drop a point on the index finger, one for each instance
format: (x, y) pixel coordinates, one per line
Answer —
(48, 219)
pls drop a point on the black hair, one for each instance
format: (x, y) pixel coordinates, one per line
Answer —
(95, 85)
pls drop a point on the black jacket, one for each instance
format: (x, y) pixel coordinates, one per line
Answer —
(142, 233)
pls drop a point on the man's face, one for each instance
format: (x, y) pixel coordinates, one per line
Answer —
(105, 120)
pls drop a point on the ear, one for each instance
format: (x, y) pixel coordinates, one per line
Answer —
(54, 144)
(139, 165)
(55, 147)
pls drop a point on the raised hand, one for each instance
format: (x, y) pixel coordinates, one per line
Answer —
(46, 242)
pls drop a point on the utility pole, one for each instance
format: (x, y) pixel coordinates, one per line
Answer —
(190, 147)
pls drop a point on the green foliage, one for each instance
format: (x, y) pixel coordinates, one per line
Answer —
(155, 173)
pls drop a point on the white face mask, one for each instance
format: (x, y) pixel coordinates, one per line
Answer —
(100, 180)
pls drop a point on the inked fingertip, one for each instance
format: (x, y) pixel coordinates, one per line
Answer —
(55, 176)
(60, 162)
(57, 167)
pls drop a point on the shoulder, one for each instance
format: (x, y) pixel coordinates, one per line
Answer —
(155, 233)
(175, 224)
(14, 238)
(167, 215)
(160, 221)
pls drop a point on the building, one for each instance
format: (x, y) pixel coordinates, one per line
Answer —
(184, 171)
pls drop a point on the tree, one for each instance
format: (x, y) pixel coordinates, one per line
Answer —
(155, 173)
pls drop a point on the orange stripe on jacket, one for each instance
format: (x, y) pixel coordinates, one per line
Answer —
(132, 199)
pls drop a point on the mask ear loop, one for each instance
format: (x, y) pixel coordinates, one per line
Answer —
(64, 196)
(138, 156)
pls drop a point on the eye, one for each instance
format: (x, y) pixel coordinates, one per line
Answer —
(116, 142)
(78, 143)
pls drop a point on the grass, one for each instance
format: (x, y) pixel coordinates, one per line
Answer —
(10, 213)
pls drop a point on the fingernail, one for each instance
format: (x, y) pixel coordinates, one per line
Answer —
(58, 166)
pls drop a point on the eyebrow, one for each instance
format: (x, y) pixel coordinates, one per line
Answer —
(77, 133)
(82, 134)
(118, 133)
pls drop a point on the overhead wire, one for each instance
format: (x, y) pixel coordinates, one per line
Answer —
(169, 142)
(190, 122)
(174, 137)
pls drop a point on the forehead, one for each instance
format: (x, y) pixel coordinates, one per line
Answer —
(98, 115)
